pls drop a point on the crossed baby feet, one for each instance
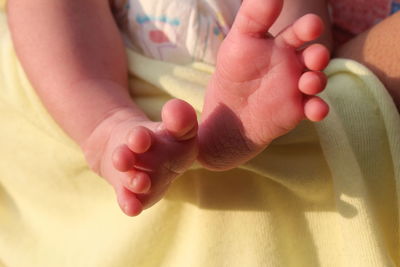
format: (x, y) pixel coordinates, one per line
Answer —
(262, 88)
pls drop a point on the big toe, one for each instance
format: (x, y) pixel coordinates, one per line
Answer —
(255, 19)
(179, 119)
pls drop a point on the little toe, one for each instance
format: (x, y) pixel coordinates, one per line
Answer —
(137, 182)
(140, 139)
(315, 109)
(179, 119)
(305, 29)
(312, 82)
(123, 158)
(315, 57)
(128, 202)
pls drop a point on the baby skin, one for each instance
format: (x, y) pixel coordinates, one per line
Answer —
(263, 86)
(141, 158)
(88, 96)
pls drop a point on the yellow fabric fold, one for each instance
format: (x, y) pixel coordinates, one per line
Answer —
(325, 194)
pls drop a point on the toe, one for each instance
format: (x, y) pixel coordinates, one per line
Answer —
(128, 202)
(179, 119)
(140, 139)
(315, 57)
(305, 29)
(255, 19)
(156, 195)
(137, 181)
(123, 158)
(312, 82)
(315, 109)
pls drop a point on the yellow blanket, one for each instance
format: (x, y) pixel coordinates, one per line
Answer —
(324, 195)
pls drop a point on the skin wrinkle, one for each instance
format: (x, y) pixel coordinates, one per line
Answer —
(272, 100)
(261, 63)
(264, 63)
(241, 100)
(238, 144)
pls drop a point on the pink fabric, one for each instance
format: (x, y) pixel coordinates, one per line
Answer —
(351, 17)
(356, 16)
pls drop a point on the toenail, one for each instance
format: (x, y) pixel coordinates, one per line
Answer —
(126, 207)
(133, 183)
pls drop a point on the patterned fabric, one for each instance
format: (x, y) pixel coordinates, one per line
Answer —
(351, 17)
(175, 30)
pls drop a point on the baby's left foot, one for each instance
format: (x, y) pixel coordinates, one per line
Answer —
(263, 86)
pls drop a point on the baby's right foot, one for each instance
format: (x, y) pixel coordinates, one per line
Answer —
(263, 86)
(140, 158)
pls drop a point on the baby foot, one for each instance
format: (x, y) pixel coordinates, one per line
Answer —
(142, 158)
(263, 86)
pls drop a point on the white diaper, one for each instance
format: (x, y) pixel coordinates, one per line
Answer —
(179, 31)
